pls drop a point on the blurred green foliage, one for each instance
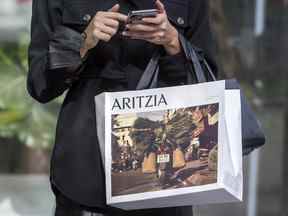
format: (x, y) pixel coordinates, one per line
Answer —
(22, 117)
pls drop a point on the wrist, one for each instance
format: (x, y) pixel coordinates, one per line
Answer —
(83, 52)
(173, 47)
(83, 48)
(87, 43)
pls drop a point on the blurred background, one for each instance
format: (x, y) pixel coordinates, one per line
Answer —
(252, 45)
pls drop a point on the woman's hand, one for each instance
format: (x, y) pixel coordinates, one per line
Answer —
(157, 30)
(102, 27)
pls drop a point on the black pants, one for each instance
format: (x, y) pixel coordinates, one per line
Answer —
(67, 207)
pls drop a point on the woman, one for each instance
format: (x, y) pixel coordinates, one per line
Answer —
(76, 45)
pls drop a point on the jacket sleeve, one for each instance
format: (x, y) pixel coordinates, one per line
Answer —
(53, 53)
(199, 34)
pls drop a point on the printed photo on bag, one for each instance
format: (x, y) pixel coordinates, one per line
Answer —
(165, 149)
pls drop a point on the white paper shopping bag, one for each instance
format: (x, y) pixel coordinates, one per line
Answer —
(171, 146)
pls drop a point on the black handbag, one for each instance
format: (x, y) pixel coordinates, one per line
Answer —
(199, 71)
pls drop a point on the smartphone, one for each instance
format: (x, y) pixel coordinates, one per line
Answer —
(137, 15)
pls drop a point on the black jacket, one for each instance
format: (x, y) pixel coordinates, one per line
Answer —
(76, 167)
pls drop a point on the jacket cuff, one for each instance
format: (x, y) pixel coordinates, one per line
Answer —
(64, 48)
(63, 59)
(178, 58)
(173, 66)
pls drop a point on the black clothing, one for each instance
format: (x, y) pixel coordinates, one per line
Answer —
(209, 137)
(76, 167)
(68, 207)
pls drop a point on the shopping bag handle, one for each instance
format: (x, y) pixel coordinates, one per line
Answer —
(150, 75)
(194, 64)
(195, 70)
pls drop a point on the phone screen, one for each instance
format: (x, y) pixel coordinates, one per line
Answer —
(136, 16)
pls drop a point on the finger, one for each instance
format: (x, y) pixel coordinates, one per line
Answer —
(154, 20)
(107, 29)
(148, 40)
(111, 22)
(102, 36)
(115, 8)
(160, 6)
(116, 16)
(156, 34)
(142, 37)
(153, 41)
(138, 35)
(142, 27)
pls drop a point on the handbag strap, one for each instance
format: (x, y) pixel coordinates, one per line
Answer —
(193, 61)
(150, 75)
(195, 69)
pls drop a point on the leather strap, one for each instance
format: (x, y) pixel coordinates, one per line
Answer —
(150, 75)
(195, 70)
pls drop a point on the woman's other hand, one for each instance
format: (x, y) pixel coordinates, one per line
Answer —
(157, 30)
(102, 27)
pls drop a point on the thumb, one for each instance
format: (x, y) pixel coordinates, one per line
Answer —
(160, 6)
(115, 8)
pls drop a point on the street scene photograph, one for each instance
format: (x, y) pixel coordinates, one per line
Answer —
(165, 149)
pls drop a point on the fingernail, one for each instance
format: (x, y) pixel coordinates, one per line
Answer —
(124, 33)
(127, 25)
